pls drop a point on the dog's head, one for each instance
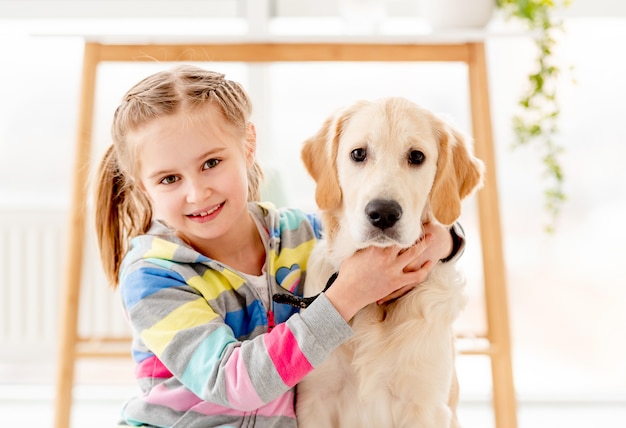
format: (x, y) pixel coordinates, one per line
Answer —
(382, 168)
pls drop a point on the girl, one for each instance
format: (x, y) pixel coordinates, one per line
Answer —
(197, 260)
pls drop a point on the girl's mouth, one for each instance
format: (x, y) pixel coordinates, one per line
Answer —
(207, 214)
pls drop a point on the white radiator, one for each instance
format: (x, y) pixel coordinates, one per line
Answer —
(32, 261)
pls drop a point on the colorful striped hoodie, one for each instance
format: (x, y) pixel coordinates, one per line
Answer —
(208, 351)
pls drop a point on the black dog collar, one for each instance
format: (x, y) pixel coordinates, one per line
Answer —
(302, 302)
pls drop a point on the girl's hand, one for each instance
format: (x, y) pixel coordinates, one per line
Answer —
(372, 274)
(437, 243)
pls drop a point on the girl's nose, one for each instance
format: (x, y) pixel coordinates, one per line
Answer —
(196, 191)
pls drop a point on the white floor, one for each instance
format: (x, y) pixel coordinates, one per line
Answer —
(100, 391)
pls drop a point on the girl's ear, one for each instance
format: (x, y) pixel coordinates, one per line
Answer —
(141, 190)
(250, 144)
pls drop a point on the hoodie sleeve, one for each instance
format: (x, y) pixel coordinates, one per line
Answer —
(458, 243)
(195, 344)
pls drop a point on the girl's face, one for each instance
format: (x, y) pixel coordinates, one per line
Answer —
(192, 167)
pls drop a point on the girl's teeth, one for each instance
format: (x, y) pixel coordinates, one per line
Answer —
(206, 213)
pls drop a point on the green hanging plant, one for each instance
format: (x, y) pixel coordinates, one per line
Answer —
(536, 122)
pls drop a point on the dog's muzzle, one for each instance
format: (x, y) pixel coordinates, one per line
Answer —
(383, 213)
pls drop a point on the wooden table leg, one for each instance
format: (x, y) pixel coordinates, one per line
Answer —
(504, 400)
(70, 296)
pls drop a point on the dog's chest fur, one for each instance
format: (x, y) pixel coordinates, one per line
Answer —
(396, 371)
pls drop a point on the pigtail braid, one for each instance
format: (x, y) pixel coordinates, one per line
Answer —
(121, 212)
(255, 179)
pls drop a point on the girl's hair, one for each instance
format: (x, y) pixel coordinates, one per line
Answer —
(122, 211)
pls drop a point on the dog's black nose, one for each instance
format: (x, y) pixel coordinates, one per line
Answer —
(383, 213)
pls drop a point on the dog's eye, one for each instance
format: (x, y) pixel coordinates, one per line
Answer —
(358, 155)
(416, 157)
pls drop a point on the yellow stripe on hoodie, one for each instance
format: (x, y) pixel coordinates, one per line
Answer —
(186, 316)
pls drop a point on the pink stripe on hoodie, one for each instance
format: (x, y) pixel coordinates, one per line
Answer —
(291, 364)
(239, 389)
(152, 367)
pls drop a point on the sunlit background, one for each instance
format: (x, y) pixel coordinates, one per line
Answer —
(567, 290)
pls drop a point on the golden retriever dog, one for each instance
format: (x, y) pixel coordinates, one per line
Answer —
(382, 169)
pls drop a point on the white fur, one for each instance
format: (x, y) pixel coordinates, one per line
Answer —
(398, 368)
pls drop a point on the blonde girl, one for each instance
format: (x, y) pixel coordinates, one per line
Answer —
(197, 260)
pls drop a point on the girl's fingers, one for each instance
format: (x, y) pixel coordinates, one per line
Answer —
(418, 276)
(412, 257)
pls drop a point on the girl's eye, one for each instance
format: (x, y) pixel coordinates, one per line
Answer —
(211, 163)
(416, 157)
(358, 155)
(170, 179)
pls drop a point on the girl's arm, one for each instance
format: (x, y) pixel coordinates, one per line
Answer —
(457, 234)
(196, 345)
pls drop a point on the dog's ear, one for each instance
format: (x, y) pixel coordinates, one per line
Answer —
(319, 154)
(458, 174)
